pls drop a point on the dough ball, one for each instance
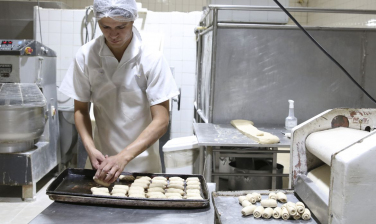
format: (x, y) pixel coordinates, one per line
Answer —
(306, 214)
(285, 213)
(193, 178)
(159, 178)
(246, 203)
(240, 198)
(137, 196)
(257, 213)
(193, 191)
(195, 198)
(101, 193)
(277, 213)
(144, 181)
(258, 196)
(267, 214)
(103, 189)
(159, 181)
(174, 197)
(122, 191)
(251, 198)
(158, 196)
(143, 177)
(193, 187)
(273, 195)
(119, 195)
(126, 187)
(177, 183)
(101, 182)
(143, 185)
(161, 185)
(173, 194)
(173, 190)
(248, 210)
(176, 186)
(281, 197)
(300, 207)
(126, 177)
(156, 189)
(175, 178)
(193, 183)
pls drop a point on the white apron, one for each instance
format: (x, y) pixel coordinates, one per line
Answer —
(121, 107)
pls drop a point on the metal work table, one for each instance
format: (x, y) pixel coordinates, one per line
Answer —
(63, 213)
(224, 140)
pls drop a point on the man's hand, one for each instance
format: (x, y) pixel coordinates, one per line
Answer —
(111, 168)
(96, 158)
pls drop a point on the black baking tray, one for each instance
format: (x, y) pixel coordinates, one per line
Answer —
(73, 185)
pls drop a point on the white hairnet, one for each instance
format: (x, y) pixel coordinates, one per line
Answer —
(120, 10)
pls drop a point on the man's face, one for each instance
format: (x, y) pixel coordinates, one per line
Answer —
(117, 33)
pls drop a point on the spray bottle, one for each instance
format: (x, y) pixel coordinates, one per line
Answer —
(291, 121)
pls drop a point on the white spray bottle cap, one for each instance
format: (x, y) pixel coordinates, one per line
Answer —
(291, 104)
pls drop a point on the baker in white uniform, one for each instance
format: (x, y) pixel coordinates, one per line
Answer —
(130, 87)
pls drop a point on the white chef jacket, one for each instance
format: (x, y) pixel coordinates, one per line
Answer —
(122, 93)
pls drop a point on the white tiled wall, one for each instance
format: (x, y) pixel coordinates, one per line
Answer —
(340, 20)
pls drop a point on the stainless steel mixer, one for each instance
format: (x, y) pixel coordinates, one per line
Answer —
(29, 124)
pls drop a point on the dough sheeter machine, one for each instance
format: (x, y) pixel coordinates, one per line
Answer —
(331, 170)
(332, 165)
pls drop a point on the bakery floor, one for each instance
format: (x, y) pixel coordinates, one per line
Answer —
(15, 211)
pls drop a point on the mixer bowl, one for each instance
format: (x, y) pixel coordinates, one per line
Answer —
(20, 127)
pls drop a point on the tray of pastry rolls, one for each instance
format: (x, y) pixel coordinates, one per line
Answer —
(259, 206)
(131, 189)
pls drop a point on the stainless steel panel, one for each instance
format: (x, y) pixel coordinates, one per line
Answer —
(205, 74)
(228, 209)
(258, 70)
(312, 197)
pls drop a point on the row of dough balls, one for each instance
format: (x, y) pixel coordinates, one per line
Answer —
(287, 211)
(156, 187)
(173, 188)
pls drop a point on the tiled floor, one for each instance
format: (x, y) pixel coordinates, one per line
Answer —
(16, 211)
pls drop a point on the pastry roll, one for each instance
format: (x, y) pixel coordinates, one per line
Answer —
(241, 198)
(297, 216)
(300, 207)
(193, 178)
(173, 190)
(175, 178)
(259, 210)
(246, 203)
(251, 198)
(143, 185)
(126, 187)
(156, 189)
(306, 214)
(268, 212)
(177, 182)
(159, 181)
(122, 191)
(273, 195)
(285, 213)
(159, 178)
(248, 210)
(101, 182)
(193, 187)
(277, 213)
(157, 185)
(143, 177)
(195, 198)
(269, 203)
(118, 195)
(258, 195)
(135, 192)
(103, 189)
(126, 177)
(281, 197)
(291, 207)
(101, 193)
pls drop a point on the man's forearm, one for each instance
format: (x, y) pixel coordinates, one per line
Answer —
(83, 125)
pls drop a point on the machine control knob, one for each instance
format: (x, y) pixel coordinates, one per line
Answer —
(29, 50)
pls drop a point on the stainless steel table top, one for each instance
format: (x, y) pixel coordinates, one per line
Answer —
(227, 135)
(64, 213)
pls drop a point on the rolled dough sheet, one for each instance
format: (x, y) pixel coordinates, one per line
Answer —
(246, 127)
(323, 144)
(321, 177)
